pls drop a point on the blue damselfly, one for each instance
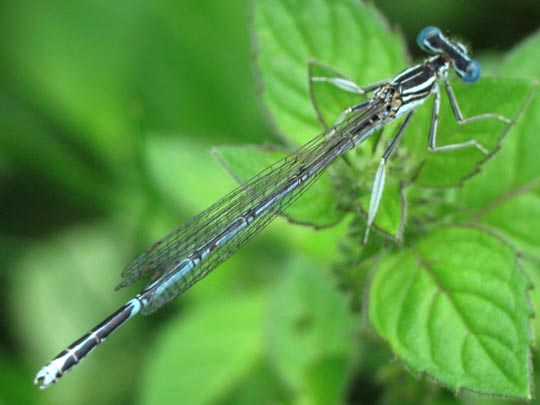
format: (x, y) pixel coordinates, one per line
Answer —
(185, 256)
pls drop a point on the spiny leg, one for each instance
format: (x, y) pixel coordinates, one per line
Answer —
(378, 183)
(346, 112)
(351, 87)
(457, 111)
(348, 85)
(432, 140)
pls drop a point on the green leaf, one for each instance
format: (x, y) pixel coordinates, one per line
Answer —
(532, 269)
(521, 62)
(445, 169)
(516, 165)
(342, 34)
(309, 323)
(504, 196)
(318, 206)
(517, 220)
(220, 343)
(456, 306)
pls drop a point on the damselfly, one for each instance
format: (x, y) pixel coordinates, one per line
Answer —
(185, 256)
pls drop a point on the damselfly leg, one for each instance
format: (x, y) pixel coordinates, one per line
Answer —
(432, 140)
(348, 85)
(380, 175)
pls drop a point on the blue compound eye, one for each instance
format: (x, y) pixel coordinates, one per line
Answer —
(425, 34)
(472, 73)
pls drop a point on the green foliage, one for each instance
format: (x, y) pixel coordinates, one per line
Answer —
(455, 306)
(454, 303)
(108, 110)
(212, 364)
(309, 329)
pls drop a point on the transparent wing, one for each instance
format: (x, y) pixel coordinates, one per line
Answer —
(164, 255)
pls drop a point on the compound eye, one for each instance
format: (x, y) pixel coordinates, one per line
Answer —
(425, 35)
(472, 73)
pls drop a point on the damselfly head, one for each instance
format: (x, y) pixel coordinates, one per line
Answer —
(431, 40)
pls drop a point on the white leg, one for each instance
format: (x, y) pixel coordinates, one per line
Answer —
(375, 198)
(378, 183)
(432, 140)
(348, 85)
(459, 115)
(350, 110)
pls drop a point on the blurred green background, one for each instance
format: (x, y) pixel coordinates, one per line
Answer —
(107, 113)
